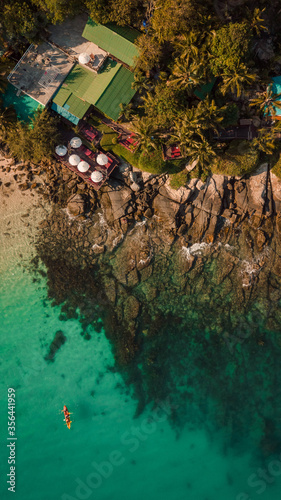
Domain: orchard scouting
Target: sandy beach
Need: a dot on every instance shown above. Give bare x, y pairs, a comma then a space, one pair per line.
21, 213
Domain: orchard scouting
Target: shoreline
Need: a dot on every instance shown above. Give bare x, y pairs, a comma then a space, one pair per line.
143, 279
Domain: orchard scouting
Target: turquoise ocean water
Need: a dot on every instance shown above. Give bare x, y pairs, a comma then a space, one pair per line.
107, 454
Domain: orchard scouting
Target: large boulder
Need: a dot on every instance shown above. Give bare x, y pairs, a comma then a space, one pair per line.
213, 195
257, 189
166, 210
276, 192
119, 198
75, 205
241, 196
180, 195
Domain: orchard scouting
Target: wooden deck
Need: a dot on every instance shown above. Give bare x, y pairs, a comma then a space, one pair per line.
129, 141
246, 132
89, 132
90, 158
172, 152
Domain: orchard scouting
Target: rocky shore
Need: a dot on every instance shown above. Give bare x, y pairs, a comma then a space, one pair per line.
163, 271
137, 231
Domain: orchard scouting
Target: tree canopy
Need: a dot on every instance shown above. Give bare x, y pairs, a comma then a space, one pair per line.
202, 66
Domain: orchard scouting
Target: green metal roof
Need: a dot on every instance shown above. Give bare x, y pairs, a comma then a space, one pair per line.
105, 90
76, 107
118, 91
202, 91
117, 40
61, 96
88, 85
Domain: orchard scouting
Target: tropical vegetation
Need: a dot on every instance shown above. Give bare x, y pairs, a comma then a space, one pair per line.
200, 70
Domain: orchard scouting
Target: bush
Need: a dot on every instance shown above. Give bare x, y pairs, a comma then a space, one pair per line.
152, 162
108, 138
230, 46
240, 159
178, 180
230, 115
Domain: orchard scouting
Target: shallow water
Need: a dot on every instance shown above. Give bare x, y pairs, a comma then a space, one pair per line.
228, 399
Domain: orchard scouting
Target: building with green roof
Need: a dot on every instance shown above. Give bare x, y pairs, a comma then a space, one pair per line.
117, 40
105, 90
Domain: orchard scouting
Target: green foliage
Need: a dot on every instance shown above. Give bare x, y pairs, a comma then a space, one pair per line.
239, 159
8, 119
230, 46
162, 105
108, 138
265, 141
150, 53
237, 79
122, 12
256, 21
57, 10
195, 126
187, 75
174, 17
22, 19
179, 179
230, 115
276, 170
152, 161
35, 140
147, 133
267, 102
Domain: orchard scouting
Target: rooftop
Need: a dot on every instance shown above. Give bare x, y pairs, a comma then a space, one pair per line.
40, 71
75, 44
105, 90
117, 40
203, 90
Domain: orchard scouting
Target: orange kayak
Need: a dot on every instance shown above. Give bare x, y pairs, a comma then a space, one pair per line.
67, 417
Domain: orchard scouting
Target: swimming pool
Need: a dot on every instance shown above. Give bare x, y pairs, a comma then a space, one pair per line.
24, 105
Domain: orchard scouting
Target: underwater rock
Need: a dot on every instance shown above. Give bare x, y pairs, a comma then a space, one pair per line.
131, 308
58, 341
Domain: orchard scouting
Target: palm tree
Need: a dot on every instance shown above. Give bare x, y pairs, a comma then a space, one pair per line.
267, 102
235, 80
187, 129
182, 134
126, 111
209, 114
140, 82
186, 75
8, 118
255, 20
147, 134
265, 141
187, 45
202, 153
